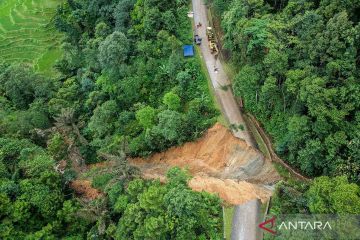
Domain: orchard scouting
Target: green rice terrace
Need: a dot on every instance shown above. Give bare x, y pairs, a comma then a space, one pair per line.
27, 33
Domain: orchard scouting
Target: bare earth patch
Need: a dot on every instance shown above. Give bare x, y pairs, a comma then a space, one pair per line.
84, 189
220, 163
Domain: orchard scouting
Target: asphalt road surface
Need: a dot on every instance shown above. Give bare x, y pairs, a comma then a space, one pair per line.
246, 216
246, 220
218, 78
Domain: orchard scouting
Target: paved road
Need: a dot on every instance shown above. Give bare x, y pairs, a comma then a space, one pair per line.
243, 227
246, 216
226, 98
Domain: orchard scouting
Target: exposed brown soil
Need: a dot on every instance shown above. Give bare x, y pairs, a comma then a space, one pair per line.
84, 189
220, 163
231, 191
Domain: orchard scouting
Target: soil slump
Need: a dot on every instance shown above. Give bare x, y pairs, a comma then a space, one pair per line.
220, 163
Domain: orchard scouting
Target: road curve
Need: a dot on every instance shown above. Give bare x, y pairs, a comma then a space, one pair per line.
246, 216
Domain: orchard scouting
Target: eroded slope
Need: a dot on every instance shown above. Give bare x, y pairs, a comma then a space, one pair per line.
220, 163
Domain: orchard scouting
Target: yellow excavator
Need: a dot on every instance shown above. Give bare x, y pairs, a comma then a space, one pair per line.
212, 42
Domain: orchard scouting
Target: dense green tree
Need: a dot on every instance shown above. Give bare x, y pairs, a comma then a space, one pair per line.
128, 52
24, 95
157, 211
172, 101
22, 122
122, 14
170, 125
298, 61
66, 97
102, 122
333, 195
246, 85
32, 199
146, 117
17, 86
113, 51
57, 147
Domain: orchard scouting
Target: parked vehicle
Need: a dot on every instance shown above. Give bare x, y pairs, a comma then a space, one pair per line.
197, 39
212, 42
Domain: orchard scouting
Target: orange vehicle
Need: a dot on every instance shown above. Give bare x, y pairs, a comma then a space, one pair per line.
212, 42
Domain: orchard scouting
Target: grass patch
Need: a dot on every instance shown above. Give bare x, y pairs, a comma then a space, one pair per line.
259, 140
89, 174
229, 69
285, 173
228, 216
27, 34
100, 181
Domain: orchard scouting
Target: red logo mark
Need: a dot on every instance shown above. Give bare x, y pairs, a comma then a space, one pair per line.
272, 221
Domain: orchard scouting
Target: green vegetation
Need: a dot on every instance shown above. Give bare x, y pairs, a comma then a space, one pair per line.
28, 35
324, 195
298, 68
123, 90
334, 196
297, 65
257, 136
33, 203
228, 216
135, 86
151, 210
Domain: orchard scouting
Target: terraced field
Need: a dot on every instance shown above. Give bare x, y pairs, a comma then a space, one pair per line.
27, 33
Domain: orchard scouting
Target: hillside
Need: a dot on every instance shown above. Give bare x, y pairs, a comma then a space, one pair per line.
296, 68
220, 164
28, 34
115, 136
124, 90
297, 65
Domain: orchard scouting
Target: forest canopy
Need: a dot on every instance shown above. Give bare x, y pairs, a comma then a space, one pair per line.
298, 73
124, 90
123, 58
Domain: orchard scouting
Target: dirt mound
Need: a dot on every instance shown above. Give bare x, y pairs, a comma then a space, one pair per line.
84, 189
228, 189
217, 161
